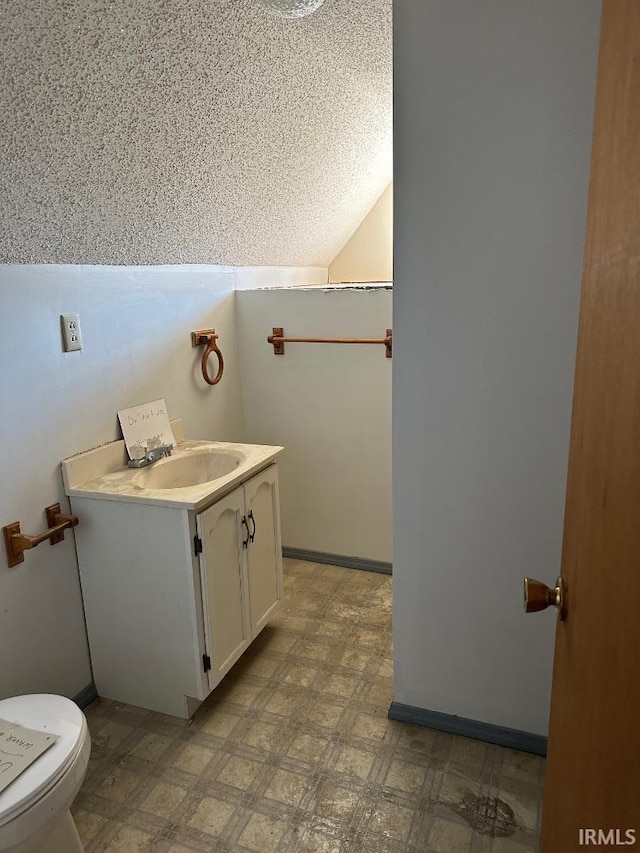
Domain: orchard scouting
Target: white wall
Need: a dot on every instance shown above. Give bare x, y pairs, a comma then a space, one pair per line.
249, 278
493, 112
330, 406
136, 325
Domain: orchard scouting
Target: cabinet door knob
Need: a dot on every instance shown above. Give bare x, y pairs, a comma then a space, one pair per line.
252, 536
245, 542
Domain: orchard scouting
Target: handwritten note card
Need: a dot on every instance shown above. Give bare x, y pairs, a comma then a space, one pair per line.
147, 422
19, 747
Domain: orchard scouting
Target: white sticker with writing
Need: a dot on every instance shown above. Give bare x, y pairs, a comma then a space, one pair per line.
20, 747
145, 423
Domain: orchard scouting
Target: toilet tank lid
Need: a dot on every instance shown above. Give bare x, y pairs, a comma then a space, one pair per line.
50, 713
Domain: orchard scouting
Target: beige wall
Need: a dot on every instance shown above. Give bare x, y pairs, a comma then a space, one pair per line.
368, 254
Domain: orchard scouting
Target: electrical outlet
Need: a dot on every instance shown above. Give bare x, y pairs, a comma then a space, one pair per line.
71, 337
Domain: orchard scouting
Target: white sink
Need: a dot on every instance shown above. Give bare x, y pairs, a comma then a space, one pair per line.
177, 472
196, 473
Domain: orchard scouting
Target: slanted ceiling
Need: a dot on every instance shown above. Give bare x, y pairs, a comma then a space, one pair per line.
190, 131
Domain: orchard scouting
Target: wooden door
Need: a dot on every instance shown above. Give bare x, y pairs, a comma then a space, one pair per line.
223, 578
264, 554
593, 767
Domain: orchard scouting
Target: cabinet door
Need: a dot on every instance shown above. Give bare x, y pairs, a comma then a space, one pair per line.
264, 554
223, 577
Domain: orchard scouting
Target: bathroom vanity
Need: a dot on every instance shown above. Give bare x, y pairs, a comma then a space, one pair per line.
180, 565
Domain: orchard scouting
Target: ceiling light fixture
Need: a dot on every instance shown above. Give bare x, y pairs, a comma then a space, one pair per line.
291, 8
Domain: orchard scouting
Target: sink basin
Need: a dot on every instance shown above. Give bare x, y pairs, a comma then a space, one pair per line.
197, 472
176, 472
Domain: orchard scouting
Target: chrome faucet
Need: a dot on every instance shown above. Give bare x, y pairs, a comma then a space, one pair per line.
150, 456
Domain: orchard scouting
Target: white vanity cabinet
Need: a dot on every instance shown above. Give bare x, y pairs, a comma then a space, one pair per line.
241, 568
175, 587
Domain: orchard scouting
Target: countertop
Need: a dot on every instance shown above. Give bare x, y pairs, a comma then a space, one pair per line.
116, 482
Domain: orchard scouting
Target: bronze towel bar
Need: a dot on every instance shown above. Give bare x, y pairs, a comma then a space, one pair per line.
278, 340
16, 542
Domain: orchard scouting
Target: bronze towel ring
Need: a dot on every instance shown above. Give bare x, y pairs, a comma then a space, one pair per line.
208, 337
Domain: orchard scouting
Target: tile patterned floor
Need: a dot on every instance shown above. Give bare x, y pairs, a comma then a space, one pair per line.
294, 752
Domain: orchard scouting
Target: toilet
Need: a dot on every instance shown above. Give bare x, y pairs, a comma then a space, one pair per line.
34, 808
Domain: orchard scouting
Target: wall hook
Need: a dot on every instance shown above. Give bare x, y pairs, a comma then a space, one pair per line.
208, 337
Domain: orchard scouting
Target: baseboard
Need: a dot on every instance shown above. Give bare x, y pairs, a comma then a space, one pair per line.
512, 738
86, 696
338, 560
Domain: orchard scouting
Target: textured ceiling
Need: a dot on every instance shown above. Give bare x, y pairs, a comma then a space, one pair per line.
190, 131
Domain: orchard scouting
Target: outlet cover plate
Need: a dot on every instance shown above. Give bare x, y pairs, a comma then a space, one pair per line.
71, 337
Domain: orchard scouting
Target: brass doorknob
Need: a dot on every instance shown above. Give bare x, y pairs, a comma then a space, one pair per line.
538, 596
